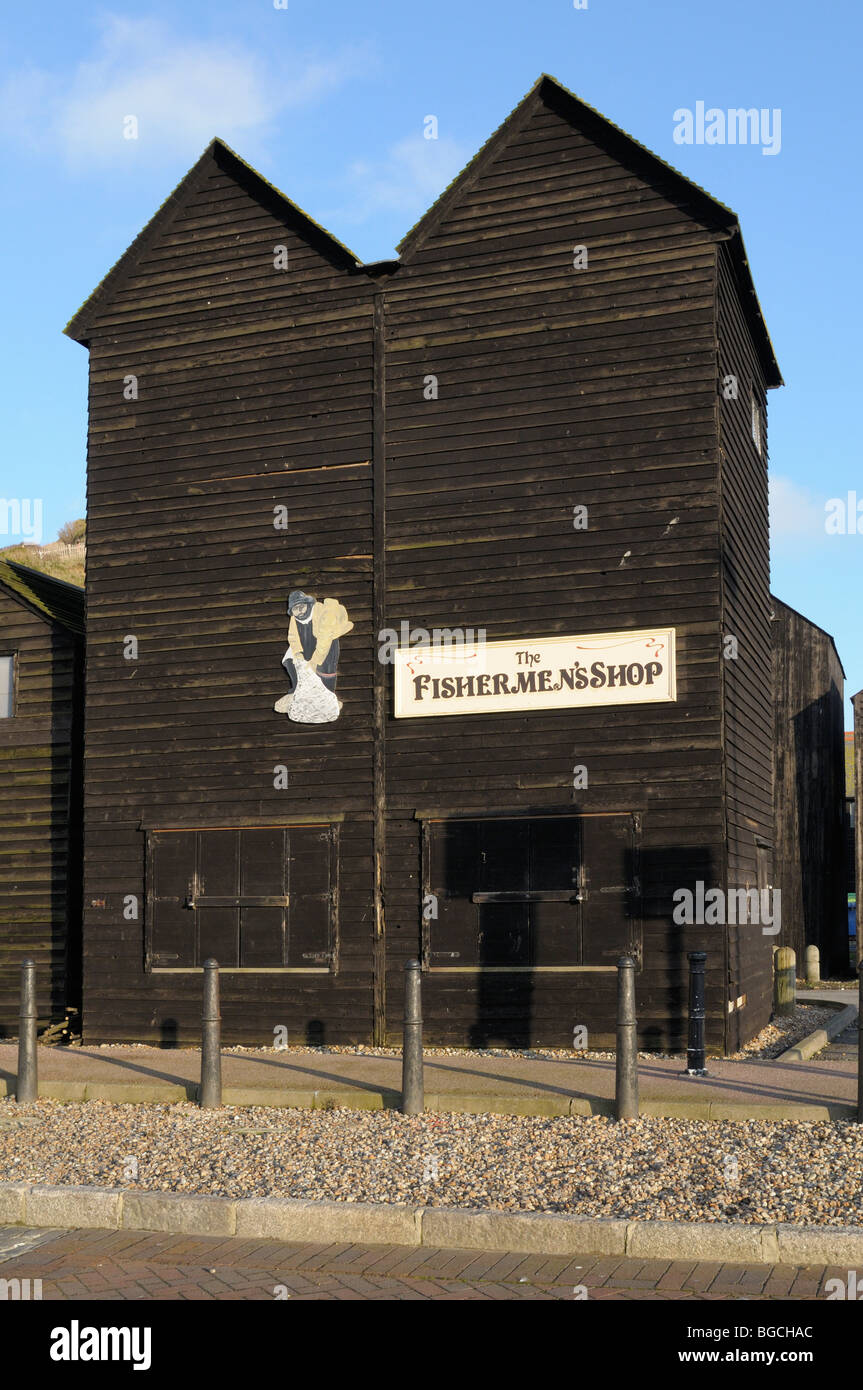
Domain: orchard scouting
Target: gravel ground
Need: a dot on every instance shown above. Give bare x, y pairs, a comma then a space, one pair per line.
783, 1033
751, 1171
829, 984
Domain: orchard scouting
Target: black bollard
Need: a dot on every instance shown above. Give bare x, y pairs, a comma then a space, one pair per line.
626, 1065
27, 1084
859, 1043
210, 1096
412, 1044
695, 1056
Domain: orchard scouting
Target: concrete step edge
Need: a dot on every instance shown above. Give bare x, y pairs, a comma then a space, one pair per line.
815, 1041
544, 1233
455, 1102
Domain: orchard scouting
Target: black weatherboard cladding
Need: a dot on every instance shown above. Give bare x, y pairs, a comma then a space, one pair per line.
557, 387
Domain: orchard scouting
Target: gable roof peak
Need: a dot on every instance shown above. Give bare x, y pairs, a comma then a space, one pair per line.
227, 159
698, 203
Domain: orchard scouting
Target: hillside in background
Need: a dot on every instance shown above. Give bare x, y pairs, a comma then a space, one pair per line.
59, 560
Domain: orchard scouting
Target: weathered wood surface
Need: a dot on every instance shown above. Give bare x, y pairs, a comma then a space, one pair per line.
809, 789
858, 822
40, 814
556, 388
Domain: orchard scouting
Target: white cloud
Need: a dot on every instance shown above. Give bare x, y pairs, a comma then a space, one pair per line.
794, 512
407, 180
181, 90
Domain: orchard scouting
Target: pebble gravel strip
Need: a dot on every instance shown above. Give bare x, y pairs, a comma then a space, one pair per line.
783, 1033
778, 1035
808, 1173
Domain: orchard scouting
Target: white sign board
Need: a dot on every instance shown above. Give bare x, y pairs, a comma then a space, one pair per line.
605, 668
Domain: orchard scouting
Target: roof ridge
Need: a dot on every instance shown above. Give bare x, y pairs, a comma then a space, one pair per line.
546, 79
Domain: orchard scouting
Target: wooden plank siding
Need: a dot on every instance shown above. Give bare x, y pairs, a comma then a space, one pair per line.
40, 814
809, 760
560, 387
557, 388
254, 391
746, 660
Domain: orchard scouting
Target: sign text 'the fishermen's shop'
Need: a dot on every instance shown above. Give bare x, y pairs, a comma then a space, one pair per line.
606, 668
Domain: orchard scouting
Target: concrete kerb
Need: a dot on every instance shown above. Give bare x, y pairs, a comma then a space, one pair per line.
162, 1093
537, 1233
814, 1042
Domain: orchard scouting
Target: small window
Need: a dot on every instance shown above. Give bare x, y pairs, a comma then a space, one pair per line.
252, 898
7, 687
757, 431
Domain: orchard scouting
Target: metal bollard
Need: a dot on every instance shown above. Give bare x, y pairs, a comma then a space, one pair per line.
626, 1064
812, 959
210, 1095
695, 1052
27, 1084
860, 1043
784, 981
412, 1044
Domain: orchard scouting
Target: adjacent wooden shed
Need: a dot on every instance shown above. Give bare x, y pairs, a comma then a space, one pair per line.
809, 789
857, 704
536, 440
41, 690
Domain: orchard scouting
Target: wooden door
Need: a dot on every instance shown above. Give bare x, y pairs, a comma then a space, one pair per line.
610, 890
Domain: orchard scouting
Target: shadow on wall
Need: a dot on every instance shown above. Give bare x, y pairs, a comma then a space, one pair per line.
662, 985
820, 904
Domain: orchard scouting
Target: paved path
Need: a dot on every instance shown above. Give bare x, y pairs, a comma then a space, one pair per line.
547, 1085
132, 1265
365, 1080
842, 1049
835, 996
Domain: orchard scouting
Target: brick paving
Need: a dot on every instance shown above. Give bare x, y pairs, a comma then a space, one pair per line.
131, 1265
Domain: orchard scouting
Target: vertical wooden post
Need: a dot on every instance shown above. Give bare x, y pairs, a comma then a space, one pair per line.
812, 957
784, 981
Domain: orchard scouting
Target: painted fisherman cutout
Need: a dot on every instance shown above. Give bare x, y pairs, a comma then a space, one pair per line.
312, 658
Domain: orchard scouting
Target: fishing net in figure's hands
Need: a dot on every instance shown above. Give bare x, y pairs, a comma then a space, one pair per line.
312, 702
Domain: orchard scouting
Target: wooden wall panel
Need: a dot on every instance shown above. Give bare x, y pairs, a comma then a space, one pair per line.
746, 670
558, 388
809, 762
254, 392
39, 786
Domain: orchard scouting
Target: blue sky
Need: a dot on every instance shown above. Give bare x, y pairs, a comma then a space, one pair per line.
328, 97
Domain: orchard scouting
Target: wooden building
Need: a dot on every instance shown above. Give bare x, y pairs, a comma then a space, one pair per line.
542, 432
41, 696
857, 705
809, 789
